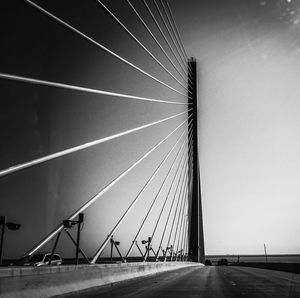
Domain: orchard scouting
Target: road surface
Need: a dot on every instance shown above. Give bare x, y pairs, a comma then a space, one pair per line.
215, 282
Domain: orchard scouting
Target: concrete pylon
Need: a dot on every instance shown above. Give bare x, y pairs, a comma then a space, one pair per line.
196, 238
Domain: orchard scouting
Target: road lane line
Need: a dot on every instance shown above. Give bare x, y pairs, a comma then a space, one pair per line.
293, 280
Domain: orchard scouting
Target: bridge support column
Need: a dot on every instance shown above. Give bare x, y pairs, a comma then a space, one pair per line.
196, 239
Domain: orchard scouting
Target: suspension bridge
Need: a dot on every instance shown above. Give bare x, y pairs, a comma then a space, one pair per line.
144, 208
99, 158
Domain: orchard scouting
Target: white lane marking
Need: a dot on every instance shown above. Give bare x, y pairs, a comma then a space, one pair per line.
293, 280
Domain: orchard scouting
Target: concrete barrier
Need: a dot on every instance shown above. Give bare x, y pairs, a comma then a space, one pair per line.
37, 282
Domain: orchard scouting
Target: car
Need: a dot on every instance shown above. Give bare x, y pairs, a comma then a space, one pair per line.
207, 263
223, 262
42, 259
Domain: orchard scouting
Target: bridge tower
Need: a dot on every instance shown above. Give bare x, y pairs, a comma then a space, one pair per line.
196, 239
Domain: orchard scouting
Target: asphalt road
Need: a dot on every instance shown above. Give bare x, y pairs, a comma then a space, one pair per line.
206, 282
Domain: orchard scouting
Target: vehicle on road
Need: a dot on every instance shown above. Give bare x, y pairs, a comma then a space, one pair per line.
42, 259
208, 263
223, 262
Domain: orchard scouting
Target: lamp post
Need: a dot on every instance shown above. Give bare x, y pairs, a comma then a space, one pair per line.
170, 250
69, 224
148, 247
3, 225
115, 244
266, 253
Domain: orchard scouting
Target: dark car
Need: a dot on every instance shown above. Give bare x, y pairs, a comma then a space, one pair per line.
223, 262
207, 263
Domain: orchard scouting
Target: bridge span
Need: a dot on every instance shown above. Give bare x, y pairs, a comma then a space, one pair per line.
101, 137
205, 282
106, 117
112, 153
149, 279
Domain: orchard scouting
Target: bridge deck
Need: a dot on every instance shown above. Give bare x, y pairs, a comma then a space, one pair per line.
206, 282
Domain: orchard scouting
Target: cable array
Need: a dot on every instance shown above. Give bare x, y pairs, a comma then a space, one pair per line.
157, 195
170, 34
99, 251
46, 158
23, 79
173, 34
103, 191
157, 42
140, 43
65, 24
183, 67
169, 213
179, 154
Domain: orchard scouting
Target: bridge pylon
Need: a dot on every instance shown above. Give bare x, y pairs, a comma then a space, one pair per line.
196, 237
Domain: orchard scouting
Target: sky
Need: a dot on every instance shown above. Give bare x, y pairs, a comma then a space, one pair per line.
248, 64
248, 55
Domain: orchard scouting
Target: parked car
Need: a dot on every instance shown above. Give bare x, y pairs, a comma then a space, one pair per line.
207, 263
223, 262
42, 259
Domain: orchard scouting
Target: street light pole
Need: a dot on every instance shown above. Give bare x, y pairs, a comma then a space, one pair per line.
2, 225
79, 222
265, 253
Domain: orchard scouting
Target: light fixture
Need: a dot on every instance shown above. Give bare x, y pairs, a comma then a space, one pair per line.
10, 226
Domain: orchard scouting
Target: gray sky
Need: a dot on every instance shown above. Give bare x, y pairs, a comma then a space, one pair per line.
248, 54
248, 59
